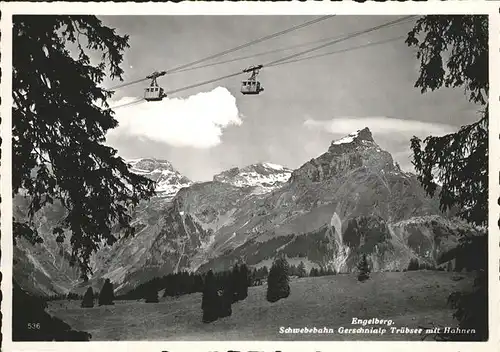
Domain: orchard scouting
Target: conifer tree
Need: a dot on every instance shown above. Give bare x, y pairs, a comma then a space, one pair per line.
321, 271
278, 286
235, 282
244, 282
226, 297
210, 300
301, 270
151, 295
453, 52
106, 296
413, 264
59, 124
88, 299
363, 268
314, 272
59, 128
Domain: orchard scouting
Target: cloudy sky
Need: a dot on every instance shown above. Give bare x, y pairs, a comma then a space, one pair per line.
305, 105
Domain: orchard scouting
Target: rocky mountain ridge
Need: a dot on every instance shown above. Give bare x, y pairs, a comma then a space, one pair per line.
265, 177
168, 180
352, 199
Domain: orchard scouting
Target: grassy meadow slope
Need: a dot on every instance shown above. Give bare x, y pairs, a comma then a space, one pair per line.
410, 299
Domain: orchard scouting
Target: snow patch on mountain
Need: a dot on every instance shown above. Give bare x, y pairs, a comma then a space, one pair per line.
264, 177
348, 139
168, 180
273, 166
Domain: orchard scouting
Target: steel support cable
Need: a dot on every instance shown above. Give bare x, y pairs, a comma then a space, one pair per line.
285, 60
344, 38
228, 51
270, 52
185, 88
263, 53
343, 50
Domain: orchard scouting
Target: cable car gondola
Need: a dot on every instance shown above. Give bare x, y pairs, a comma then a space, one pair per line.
154, 92
251, 85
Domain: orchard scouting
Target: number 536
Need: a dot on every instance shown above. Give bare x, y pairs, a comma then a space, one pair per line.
34, 326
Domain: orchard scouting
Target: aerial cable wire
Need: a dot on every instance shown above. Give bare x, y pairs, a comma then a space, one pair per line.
204, 83
344, 38
184, 88
263, 53
130, 103
228, 51
241, 58
343, 50
271, 36
286, 59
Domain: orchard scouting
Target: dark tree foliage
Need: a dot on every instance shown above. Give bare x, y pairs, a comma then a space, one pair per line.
363, 268
71, 296
235, 282
151, 296
210, 299
314, 272
465, 304
413, 264
175, 284
59, 123
278, 286
301, 270
459, 160
265, 271
32, 323
226, 298
241, 281
322, 271
88, 299
106, 296
258, 276
58, 130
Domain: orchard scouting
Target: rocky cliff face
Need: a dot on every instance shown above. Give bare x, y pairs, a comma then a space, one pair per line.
352, 199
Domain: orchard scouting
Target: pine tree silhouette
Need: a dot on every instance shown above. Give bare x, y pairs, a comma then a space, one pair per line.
65, 99
413, 264
210, 300
88, 299
278, 286
301, 270
226, 297
364, 270
151, 295
460, 159
107, 295
241, 277
235, 282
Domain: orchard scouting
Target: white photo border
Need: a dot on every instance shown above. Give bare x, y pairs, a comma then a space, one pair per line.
490, 8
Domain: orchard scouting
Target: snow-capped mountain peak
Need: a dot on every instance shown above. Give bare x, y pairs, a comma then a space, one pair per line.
168, 180
359, 136
265, 177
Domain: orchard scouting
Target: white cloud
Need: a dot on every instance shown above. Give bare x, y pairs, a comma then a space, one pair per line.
196, 121
380, 125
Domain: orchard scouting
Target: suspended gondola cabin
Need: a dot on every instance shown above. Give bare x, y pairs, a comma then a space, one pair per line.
154, 92
251, 85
